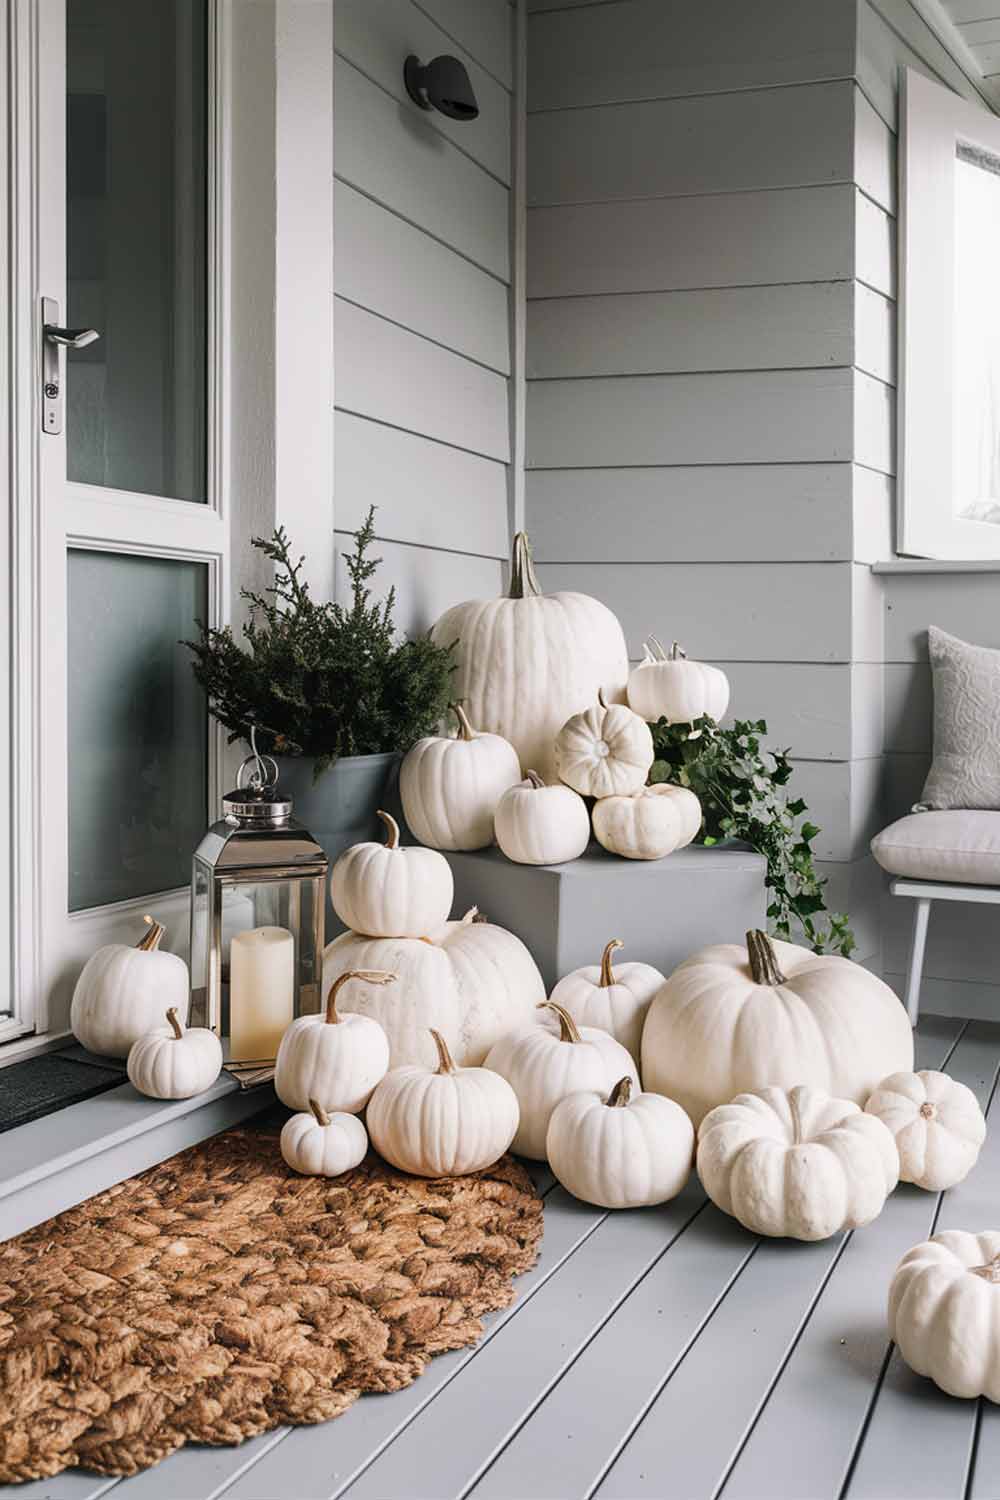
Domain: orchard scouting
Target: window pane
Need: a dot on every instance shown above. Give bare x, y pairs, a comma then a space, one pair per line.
135, 228
976, 413
138, 727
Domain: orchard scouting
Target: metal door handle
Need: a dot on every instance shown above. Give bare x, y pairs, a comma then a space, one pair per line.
54, 338
70, 338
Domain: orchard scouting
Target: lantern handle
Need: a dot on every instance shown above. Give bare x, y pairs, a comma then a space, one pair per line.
259, 779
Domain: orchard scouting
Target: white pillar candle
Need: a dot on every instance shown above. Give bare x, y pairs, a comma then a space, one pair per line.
261, 992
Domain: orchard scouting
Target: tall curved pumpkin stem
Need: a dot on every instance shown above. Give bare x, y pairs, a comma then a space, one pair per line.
568, 1029
523, 582
764, 966
607, 972
152, 937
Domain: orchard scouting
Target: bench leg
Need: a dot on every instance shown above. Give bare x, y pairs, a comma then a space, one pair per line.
915, 967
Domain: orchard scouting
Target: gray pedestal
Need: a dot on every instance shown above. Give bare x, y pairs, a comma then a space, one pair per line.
662, 909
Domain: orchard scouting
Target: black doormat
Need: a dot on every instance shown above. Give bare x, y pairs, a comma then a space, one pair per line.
41, 1085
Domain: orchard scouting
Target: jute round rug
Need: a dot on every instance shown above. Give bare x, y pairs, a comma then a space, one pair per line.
219, 1295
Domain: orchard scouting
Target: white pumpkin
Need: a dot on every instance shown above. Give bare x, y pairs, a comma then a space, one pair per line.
471, 981
542, 1069
732, 1019
944, 1311
123, 993
386, 890
174, 1063
649, 825
937, 1125
445, 1121
675, 689
614, 1000
606, 751
319, 1144
526, 661
796, 1163
335, 1059
450, 787
620, 1150
541, 825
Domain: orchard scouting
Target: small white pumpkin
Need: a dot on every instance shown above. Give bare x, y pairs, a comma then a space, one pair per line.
450, 787
614, 1000
542, 1069
649, 825
319, 1144
944, 1311
796, 1163
442, 1122
937, 1125
675, 689
541, 825
605, 751
335, 1059
174, 1063
620, 1150
386, 890
123, 993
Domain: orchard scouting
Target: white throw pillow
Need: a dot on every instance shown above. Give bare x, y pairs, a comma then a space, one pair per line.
966, 768
960, 847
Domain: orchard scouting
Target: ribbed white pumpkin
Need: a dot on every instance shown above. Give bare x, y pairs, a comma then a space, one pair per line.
542, 1069
332, 1058
541, 825
606, 751
732, 1019
386, 890
174, 1063
444, 1121
123, 993
670, 687
450, 787
470, 980
649, 825
319, 1144
620, 1150
527, 661
944, 1311
937, 1125
796, 1163
614, 1000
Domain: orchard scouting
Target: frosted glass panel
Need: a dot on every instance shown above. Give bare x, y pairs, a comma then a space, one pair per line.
976, 413
138, 773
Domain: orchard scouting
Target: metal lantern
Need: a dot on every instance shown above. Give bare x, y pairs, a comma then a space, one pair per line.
257, 911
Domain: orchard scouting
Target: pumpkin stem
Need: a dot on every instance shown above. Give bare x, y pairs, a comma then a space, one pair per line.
677, 653
534, 780
445, 1064
174, 1022
151, 938
392, 838
370, 976
989, 1272
568, 1031
621, 1093
322, 1118
465, 729
607, 972
763, 960
523, 583
655, 647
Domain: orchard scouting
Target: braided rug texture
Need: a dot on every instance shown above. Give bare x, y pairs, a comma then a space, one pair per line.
219, 1295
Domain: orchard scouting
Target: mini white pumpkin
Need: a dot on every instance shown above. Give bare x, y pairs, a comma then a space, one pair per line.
614, 1000
123, 993
606, 751
796, 1163
541, 825
319, 1144
335, 1059
450, 787
937, 1125
542, 1069
675, 689
174, 1063
385, 890
944, 1311
445, 1121
620, 1150
649, 825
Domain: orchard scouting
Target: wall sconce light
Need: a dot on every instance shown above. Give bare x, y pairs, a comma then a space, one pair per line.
442, 84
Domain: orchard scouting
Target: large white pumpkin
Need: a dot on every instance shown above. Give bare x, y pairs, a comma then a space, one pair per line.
386, 890
937, 1125
620, 1150
319, 1144
606, 751
541, 825
944, 1311
332, 1058
123, 993
527, 661
649, 825
671, 687
796, 1164
613, 999
470, 980
732, 1019
174, 1063
450, 787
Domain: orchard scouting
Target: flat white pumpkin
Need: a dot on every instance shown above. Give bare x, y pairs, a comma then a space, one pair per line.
541, 825
319, 1144
605, 751
445, 1121
937, 1125
173, 1062
527, 661
614, 1000
450, 787
332, 1058
732, 1019
944, 1311
620, 1150
796, 1163
649, 825
123, 993
386, 890
671, 687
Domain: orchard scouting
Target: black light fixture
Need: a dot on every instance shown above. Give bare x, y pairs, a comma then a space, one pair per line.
441, 84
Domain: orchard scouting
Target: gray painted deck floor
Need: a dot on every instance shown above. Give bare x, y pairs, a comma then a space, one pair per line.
664, 1352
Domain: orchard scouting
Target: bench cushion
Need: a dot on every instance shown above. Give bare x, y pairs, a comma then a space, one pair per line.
959, 846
